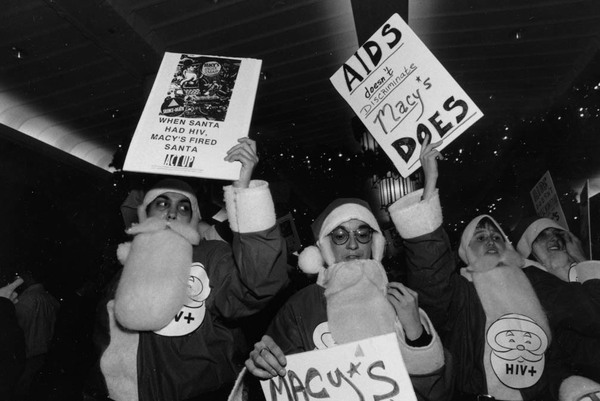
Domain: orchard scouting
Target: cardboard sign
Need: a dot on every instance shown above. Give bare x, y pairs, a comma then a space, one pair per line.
370, 369
287, 226
198, 108
546, 202
585, 226
401, 93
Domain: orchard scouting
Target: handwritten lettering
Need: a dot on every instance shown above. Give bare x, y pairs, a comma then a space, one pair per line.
390, 116
354, 75
405, 146
314, 384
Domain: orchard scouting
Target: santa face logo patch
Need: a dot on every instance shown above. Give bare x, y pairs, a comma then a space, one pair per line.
322, 336
192, 314
518, 345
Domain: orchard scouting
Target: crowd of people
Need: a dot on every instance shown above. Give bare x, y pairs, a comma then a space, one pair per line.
518, 318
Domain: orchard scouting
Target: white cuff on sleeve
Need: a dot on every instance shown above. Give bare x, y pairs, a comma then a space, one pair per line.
414, 217
250, 209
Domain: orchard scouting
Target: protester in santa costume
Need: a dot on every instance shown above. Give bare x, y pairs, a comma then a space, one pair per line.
568, 288
353, 300
164, 330
489, 316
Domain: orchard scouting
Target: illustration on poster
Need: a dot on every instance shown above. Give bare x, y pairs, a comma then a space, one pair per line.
201, 87
294, 385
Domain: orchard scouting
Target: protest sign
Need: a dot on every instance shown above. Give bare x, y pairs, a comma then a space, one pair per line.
198, 108
546, 202
585, 226
287, 226
370, 369
401, 93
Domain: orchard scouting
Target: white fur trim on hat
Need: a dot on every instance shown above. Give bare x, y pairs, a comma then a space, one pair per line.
414, 217
342, 214
310, 260
123, 252
468, 233
532, 232
250, 209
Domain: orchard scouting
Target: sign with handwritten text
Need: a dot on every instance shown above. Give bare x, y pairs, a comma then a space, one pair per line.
370, 369
401, 93
546, 202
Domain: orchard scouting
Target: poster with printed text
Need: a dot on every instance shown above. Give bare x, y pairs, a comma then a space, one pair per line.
401, 93
370, 369
198, 108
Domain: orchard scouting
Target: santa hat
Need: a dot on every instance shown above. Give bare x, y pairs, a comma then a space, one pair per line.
467, 235
314, 258
170, 185
531, 232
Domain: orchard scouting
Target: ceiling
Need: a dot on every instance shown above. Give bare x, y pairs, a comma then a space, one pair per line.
75, 73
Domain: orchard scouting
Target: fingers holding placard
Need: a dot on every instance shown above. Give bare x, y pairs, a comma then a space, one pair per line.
245, 153
266, 360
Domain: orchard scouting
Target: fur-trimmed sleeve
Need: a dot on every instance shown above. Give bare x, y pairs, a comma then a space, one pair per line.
250, 209
414, 217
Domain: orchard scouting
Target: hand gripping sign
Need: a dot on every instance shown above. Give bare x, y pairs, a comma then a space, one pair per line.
401, 93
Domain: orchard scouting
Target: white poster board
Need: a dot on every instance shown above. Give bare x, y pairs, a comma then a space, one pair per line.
363, 370
401, 92
546, 202
198, 108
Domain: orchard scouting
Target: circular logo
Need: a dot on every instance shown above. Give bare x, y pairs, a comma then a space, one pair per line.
322, 336
211, 68
192, 314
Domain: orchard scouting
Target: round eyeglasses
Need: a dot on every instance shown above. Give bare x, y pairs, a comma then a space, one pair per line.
340, 235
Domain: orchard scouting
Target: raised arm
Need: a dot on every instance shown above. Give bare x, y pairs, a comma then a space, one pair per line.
429, 157
418, 218
247, 278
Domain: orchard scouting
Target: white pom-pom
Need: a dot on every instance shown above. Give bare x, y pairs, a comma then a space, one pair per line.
123, 252
310, 260
578, 388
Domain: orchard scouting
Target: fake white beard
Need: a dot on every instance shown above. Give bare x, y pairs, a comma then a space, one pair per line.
153, 286
504, 289
357, 307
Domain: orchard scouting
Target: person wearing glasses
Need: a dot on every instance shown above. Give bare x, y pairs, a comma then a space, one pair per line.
349, 249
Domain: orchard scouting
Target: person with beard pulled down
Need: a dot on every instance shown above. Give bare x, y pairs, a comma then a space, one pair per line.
352, 300
165, 324
569, 289
487, 314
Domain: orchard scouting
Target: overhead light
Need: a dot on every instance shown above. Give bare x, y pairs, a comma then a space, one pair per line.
517, 34
114, 113
18, 53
